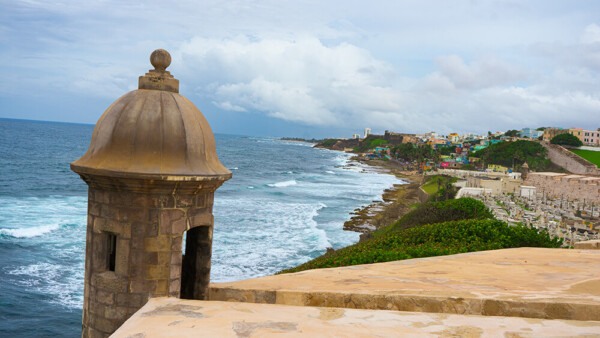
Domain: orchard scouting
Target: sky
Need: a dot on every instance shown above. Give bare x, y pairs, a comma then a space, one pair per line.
312, 68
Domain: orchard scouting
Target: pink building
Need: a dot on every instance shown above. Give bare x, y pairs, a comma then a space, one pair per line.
588, 137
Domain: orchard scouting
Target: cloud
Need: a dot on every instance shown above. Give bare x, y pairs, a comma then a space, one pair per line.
470, 66
488, 72
306, 81
591, 34
300, 80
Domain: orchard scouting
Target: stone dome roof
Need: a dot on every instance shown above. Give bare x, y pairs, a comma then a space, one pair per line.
153, 133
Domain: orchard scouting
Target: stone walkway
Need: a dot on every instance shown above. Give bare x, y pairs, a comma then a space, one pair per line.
503, 293
170, 317
523, 282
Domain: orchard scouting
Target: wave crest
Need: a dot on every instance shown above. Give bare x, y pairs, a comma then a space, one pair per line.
283, 184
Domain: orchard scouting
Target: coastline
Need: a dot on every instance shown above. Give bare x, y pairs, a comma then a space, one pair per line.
396, 200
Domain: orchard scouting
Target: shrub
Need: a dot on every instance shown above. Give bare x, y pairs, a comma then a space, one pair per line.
434, 240
444, 211
329, 142
566, 139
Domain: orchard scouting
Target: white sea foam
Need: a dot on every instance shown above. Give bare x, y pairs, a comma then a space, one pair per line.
250, 187
29, 232
283, 184
330, 172
53, 279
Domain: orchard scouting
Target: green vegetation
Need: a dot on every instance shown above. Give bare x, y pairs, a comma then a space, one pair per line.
440, 187
370, 143
434, 240
435, 182
566, 139
511, 133
590, 155
328, 142
437, 212
378, 142
409, 152
514, 154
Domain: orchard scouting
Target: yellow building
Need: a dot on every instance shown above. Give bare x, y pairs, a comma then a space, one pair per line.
497, 168
550, 133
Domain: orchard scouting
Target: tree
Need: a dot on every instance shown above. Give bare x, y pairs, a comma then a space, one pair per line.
566, 139
511, 133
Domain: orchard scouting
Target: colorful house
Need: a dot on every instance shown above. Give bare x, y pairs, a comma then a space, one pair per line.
497, 168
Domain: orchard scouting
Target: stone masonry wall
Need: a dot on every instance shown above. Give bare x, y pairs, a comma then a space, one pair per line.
569, 186
149, 230
570, 161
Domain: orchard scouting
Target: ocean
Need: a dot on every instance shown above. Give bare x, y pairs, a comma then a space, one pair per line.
286, 204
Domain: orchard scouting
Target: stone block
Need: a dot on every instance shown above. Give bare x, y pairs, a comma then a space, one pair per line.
166, 202
159, 243
175, 286
588, 245
121, 199
93, 333
123, 229
178, 226
185, 201
99, 224
105, 325
200, 201
99, 248
176, 257
133, 214
155, 272
164, 258
162, 288
142, 286
176, 244
122, 259
101, 196
205, 219
109, 212
144, 229
109, 281
94, 208
116, 312
143, 258
104, 297
97, 309
130, 300
175, 271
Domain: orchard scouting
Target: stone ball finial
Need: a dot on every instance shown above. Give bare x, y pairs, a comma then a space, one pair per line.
160, 59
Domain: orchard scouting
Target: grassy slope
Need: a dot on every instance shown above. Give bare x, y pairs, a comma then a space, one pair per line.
461, 225
434, 240
434, 182
590, 155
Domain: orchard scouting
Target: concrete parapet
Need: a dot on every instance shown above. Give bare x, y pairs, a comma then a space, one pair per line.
588, 245
167, 317
523, 282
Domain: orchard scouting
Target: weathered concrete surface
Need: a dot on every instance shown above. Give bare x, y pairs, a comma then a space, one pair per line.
588, 245
523, 282
170, 317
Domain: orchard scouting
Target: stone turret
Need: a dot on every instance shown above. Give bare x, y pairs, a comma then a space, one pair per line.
152, 170
524, 171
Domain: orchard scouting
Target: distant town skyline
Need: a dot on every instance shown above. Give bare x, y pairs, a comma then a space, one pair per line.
313, 69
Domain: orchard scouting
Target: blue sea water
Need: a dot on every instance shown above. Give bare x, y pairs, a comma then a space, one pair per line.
285, 204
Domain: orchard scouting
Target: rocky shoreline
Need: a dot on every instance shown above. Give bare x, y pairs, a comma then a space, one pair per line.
396, 201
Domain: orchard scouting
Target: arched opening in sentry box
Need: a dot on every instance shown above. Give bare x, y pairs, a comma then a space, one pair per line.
195, 267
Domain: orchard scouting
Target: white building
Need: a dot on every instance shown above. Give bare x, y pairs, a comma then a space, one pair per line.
367, 132
355, 136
